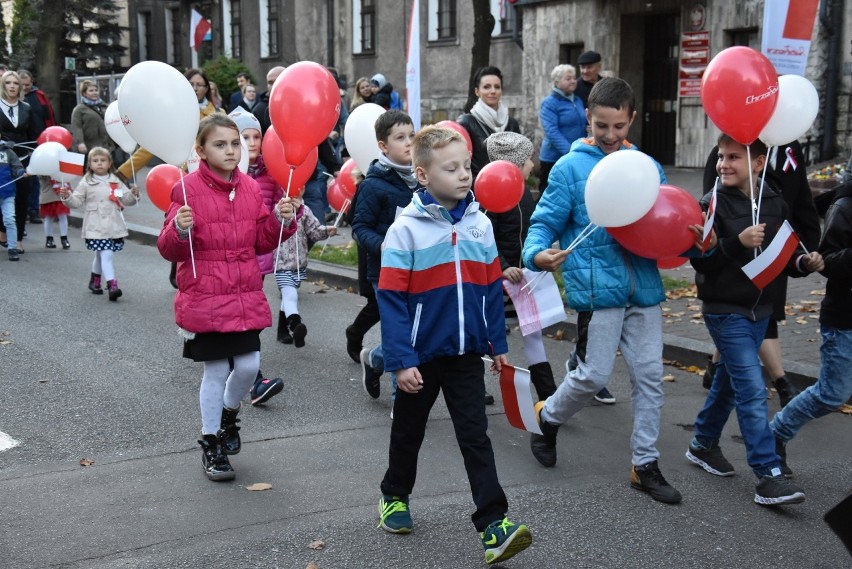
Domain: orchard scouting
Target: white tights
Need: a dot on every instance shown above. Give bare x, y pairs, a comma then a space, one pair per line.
63, 226
221, 388
102, 265
289, 300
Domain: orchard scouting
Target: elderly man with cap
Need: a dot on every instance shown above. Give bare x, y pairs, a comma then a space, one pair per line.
590, 69
383, 93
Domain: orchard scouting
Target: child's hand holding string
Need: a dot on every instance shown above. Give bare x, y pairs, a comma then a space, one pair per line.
134, 189
287, 209
183, 219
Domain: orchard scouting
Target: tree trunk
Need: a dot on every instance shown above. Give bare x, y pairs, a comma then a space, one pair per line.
483, 25
49, 66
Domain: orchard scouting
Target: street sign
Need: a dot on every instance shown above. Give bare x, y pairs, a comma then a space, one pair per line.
70, 63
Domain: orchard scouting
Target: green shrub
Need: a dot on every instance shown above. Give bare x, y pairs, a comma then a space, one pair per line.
223, 71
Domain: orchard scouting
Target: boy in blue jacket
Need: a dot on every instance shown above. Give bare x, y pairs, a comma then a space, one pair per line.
10, 169
441, 300
618, 293
386, 190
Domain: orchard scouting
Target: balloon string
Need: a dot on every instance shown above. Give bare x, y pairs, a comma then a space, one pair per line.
133, 176
13, 181
188, 231
337, 220
584, 234
762, 182
281, 231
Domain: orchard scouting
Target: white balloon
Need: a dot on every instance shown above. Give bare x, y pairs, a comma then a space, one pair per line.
159, 109
795, 111
360, 135
44, 160
194, 158
621, 188
115, 129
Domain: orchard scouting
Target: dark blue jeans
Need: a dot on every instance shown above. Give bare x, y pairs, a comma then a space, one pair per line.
739, 384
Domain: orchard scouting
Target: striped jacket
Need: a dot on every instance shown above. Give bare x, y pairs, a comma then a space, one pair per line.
440, 288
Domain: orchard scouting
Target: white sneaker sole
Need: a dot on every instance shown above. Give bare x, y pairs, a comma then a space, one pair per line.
698, 462
796, 498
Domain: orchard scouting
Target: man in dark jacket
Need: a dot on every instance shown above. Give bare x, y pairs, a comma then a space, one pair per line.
261, 111
590, 73
43, 117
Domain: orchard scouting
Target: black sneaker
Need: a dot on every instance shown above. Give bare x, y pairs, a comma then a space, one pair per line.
265, 389
489, 399
781, 451
777, 490
214, 460
13, 255
648, 478
712, 460
605, 397
786, 390
370, 376
231, 443
543, 446
354, 345
707, 379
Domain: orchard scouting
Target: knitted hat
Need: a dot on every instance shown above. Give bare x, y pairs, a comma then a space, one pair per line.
511, 146
244, 120
379, 80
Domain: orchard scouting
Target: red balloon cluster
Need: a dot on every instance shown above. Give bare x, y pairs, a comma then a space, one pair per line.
274, 157
663, 232
337, 198
739, 91
159, 183
346, 180
459, 129
499, 186
56, 134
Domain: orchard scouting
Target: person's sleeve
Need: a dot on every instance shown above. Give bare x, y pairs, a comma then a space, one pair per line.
77, 127
315, 230
127, 197
170, 244
368, 210
494, 299
77, 197
836, 244
551, 215
15, 163
710, 174
550, 123
394, 279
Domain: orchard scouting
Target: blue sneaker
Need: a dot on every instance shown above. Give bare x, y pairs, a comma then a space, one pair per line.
503, 539
394, 516
605, 397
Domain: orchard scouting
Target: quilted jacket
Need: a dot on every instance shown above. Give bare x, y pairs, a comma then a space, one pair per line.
271, 192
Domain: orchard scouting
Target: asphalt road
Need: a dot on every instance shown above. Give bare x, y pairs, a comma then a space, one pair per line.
86, 378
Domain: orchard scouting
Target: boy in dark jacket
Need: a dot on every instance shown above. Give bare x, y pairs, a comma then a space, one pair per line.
834, 386
386, 190
10, 168
736, 313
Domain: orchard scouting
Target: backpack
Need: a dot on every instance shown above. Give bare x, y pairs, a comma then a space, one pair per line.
395, 103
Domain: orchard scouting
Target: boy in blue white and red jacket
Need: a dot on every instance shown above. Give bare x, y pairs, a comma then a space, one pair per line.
441, 301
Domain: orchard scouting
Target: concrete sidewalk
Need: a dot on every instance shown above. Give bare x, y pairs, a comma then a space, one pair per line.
685, 336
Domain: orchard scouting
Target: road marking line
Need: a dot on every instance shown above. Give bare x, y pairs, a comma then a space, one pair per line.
7, 442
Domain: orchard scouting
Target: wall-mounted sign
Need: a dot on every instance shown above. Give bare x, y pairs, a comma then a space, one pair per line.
697, 17
694, 57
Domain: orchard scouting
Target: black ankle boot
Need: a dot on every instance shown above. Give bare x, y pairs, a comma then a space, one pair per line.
49, 244
216, 465
541, 376
95, 284
283, 331
297, 329
65, 243
230, 433
786, 390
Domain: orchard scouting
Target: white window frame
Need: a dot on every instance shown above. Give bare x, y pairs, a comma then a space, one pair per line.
227, 45
169, 30
142, 34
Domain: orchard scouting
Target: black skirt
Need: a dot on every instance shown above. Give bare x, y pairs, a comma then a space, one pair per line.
218, 346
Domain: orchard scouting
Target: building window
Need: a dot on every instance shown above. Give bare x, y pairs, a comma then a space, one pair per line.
746, 36
269, 13
173, 43
570, 52
236, 29
364, 26
143, 34
505, 18
446, 19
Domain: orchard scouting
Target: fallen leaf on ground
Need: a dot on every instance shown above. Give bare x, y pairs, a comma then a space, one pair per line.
259, 487
668, 378
312, 565
317, 544
559, 334
809, 301
801, 320
820, 292
42, 381
86, 462
5, 342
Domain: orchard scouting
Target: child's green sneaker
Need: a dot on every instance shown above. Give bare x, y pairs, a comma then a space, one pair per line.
394, 515
503, 539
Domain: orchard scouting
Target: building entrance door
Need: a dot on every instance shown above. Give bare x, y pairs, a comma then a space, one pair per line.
660, 86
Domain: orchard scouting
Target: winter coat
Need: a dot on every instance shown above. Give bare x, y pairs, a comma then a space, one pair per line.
379, 197
563, 119
24, 132
102, 218
478, 132
227, 294
87, 126
441, 288
42, 110
599, 273
723, 287
510, 230
836, 249
383, 96
271, 193
10, 168
48, 190
294, 252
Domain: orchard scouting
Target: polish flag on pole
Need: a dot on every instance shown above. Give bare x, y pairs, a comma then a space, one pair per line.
412, 67
199, 27
711, 216
71, 163
517, 399
774, 258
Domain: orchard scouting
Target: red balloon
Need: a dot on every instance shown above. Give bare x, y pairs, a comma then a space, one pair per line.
56, 134
274, 152
347, 182
459, 129
304, 107
739, 91
159, 183
663, 232
337, 198
672, 263
499, 186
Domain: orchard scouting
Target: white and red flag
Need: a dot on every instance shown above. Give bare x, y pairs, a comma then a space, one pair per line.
518, 400
71, 163
199, 30
711, 216
774, 258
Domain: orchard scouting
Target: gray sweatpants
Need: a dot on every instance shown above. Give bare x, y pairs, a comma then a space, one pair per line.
638, 333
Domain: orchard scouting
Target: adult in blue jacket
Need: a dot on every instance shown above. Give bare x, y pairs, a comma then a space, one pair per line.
563, 118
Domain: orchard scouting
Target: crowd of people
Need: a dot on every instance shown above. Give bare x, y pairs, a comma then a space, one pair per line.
424, 242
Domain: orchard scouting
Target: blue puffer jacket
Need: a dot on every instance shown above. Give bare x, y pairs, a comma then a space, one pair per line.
10, 168
378, 199
564, 121
599, 273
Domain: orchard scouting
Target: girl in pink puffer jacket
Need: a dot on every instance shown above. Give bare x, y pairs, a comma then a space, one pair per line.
222, 309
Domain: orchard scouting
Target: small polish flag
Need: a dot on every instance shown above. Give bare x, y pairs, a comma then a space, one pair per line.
199, 29
711, 216
517, 399
774, 258
71, 163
